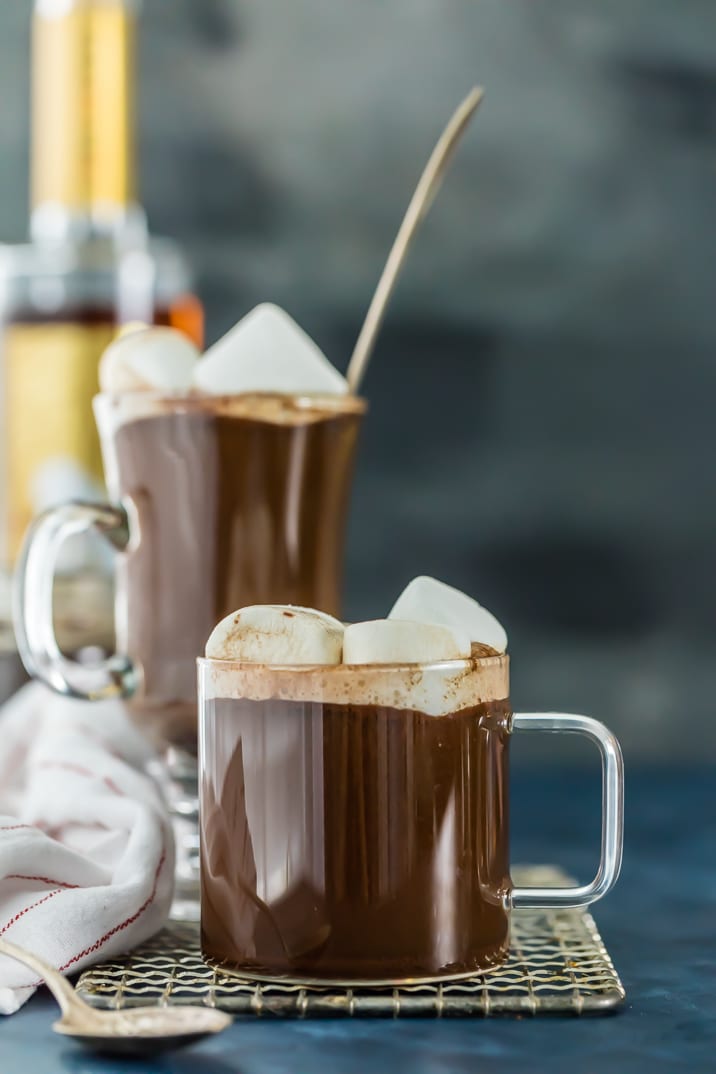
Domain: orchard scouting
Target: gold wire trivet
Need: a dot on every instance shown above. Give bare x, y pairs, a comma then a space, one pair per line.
557, 964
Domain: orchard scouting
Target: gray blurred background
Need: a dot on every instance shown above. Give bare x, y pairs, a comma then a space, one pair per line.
541, 430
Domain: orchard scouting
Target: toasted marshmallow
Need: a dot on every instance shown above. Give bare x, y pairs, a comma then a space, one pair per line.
277, 634
149, 359
429, 601
267, 352
395, 641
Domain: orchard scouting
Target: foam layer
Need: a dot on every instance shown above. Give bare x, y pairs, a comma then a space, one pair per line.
434, 689
113, 410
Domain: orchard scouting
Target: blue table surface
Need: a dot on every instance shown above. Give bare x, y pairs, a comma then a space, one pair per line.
659, 925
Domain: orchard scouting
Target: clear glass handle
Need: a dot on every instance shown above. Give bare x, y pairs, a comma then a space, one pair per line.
612, 811
33, 611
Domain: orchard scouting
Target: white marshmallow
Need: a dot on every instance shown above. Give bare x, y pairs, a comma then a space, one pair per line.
149, 359
267, 352
394, 641
429, 601
277, 634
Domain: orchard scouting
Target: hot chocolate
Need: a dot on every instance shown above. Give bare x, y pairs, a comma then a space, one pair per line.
234, 501
335, 824
353, 785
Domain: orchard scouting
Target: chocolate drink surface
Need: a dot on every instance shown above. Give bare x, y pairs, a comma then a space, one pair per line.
236, 502
354, 842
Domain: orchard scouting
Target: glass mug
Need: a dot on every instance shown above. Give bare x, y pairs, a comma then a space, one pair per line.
354, 819
216, 503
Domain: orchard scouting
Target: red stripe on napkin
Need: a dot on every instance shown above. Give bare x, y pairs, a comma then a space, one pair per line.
80, 771
27, 909
125, 924
41, 880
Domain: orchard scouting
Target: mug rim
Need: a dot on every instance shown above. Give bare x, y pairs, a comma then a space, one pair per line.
338, 403
466, 663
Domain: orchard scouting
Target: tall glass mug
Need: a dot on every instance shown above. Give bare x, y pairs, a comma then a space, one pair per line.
354, 819
217, 503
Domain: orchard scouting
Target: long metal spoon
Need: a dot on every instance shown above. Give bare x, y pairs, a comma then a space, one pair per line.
134, 1031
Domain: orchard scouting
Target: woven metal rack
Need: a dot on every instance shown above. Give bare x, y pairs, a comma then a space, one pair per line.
557, 964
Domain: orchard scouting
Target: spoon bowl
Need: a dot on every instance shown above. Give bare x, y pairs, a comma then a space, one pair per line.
144, 1030
133, 1031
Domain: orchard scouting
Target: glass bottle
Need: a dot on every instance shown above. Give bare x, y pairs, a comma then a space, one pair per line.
90, 267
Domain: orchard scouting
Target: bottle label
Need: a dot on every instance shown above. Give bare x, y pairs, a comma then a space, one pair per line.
52, 451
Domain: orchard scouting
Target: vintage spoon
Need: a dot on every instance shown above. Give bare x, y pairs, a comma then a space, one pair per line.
417, 210
134, 1031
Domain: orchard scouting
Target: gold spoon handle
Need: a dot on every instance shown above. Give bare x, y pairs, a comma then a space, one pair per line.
61, 989
417, 210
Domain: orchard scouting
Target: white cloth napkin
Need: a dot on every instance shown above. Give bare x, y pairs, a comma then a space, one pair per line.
86, 851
